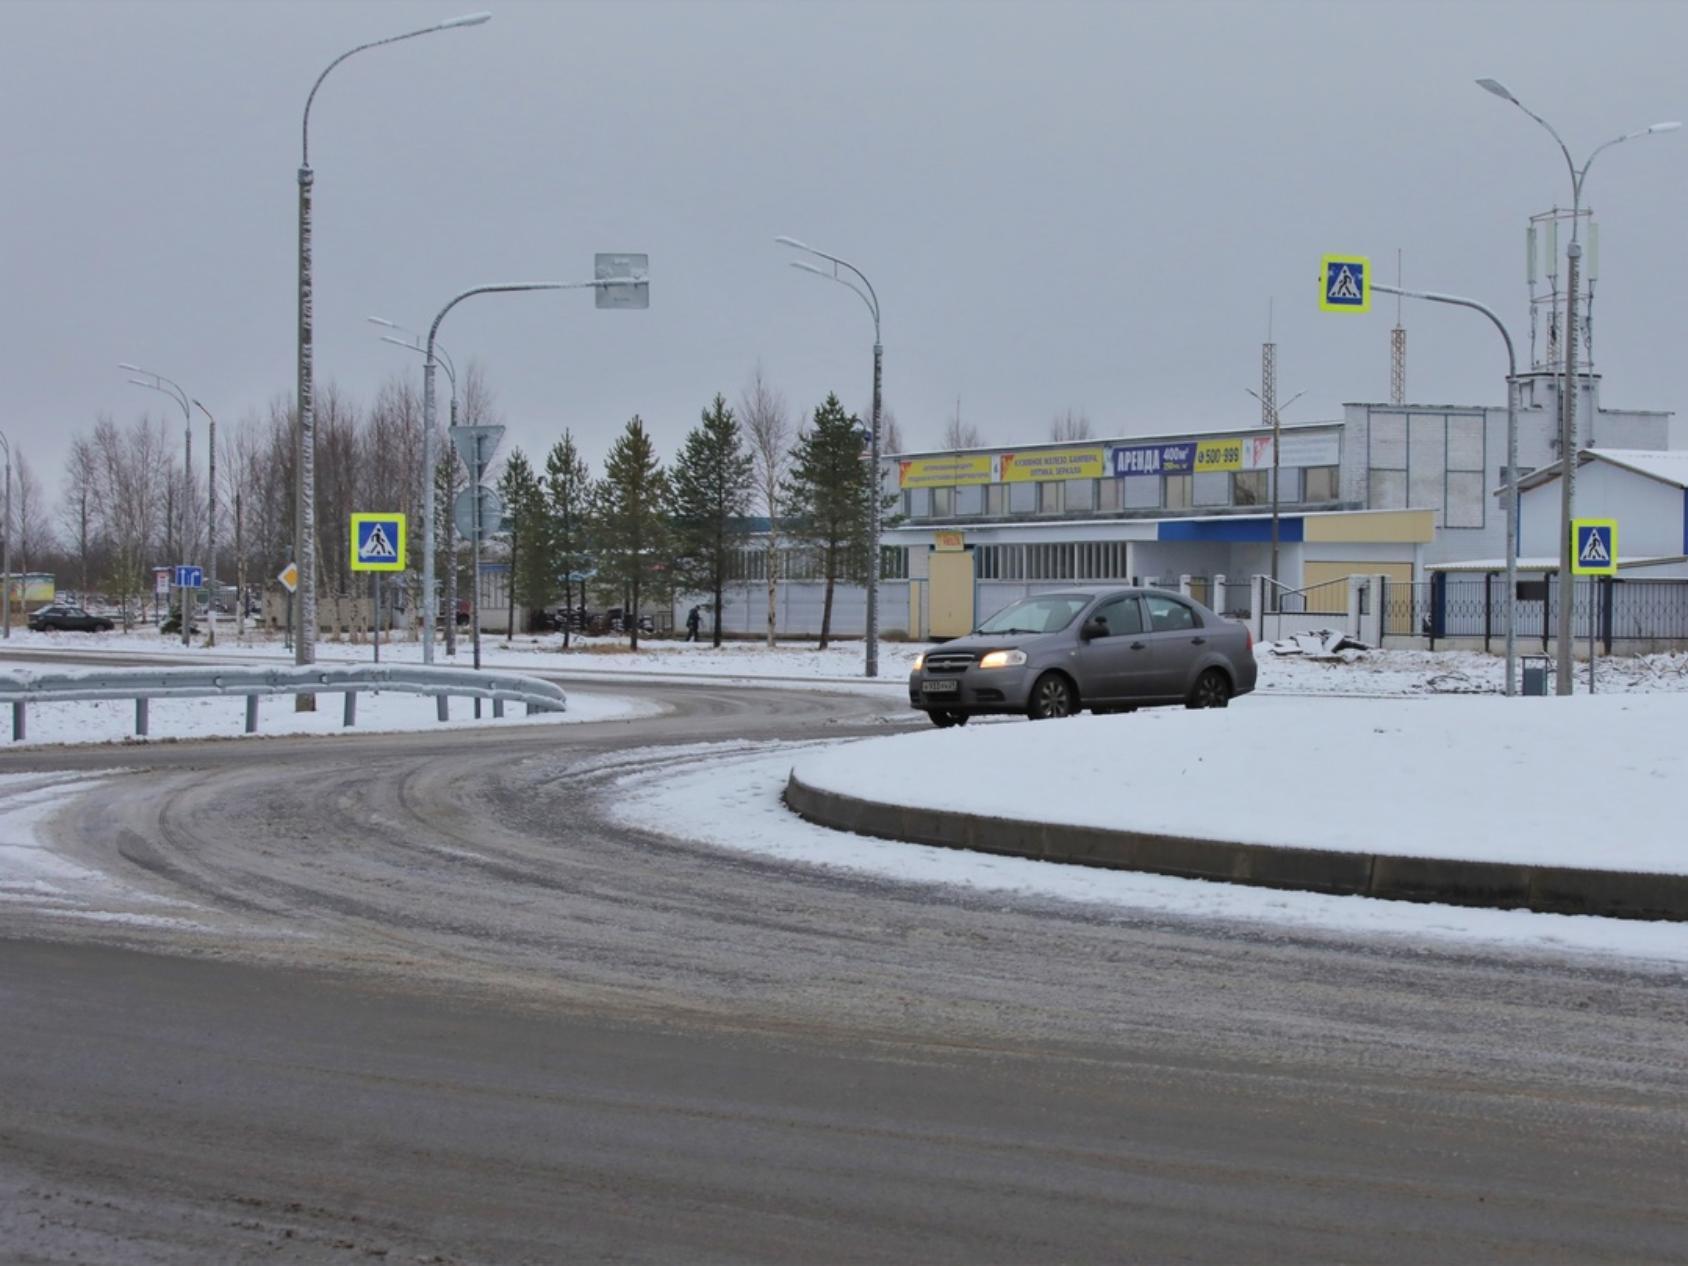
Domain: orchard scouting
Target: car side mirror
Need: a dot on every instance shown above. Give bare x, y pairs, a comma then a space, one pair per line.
1094, 627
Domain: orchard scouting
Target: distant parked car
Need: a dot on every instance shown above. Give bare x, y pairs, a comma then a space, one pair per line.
1105, 649
68, 618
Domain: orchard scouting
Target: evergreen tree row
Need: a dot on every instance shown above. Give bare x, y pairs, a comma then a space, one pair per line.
642, 532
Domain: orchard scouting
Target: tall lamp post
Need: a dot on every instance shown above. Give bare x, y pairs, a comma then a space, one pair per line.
430, 352
158, 382
304, 437
1568, 392
870, 297
211, 525
416, 345
6, 547
1271, 410
1511, 468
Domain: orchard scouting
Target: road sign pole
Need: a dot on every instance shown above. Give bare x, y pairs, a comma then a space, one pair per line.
375, 614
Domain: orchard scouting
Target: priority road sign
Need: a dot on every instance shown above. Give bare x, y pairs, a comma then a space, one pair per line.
378, 542
476, 445
189, 577
1345, 283
1594, 547
289, 577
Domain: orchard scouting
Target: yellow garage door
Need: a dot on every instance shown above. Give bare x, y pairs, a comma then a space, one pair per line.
1326, 576
951, 593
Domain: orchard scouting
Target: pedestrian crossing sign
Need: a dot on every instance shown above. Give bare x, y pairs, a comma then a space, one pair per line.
1594, 547
1345, 283
378, 542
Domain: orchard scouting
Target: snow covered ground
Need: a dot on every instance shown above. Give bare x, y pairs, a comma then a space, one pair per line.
1369, 673
734, 803
1587, 782
218, 717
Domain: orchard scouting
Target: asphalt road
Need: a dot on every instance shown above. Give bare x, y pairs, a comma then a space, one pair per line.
422, 1003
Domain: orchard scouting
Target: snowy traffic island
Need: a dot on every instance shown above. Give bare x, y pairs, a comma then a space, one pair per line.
1567, 805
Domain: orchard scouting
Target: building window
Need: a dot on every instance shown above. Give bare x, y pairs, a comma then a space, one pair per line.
1108, 494
993, 499
1177, 492
1320, 484
1022, 498
970, 499
943, 502
1143, 492
893, 562
917, 503
1080, 494
1212, 488
1251, 487
1289, 484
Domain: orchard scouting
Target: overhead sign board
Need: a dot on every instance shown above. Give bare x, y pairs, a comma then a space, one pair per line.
1042, 465
378, 542
1216, 455
629, 277
944, 472
1594, 547
189, 577
1345, 283
1153, 459
289, 577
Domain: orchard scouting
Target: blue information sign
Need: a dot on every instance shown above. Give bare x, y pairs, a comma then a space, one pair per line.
189, 577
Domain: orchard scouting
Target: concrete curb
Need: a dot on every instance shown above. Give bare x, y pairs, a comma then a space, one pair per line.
1550, 889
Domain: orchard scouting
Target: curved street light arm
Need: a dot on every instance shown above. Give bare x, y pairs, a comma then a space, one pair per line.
470, 19
440, 357
416, 342
502, 288
843, 281
871, 298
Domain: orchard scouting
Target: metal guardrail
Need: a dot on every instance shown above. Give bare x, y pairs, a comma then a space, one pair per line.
21, 688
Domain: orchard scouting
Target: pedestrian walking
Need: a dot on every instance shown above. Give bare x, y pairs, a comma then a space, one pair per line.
694, 621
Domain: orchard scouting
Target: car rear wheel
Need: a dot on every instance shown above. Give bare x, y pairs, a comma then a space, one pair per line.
1052, 696
943, 720
1212, 690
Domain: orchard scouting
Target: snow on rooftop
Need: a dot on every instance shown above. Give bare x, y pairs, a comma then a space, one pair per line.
1667, 465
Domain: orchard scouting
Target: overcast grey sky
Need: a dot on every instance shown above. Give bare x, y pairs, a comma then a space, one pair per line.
1083, 205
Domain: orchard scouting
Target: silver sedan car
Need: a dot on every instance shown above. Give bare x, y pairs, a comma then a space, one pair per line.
1107, 649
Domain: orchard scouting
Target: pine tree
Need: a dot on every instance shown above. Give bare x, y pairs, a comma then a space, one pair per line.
569, 498
712, 490
530, 548
827, 499
632, 506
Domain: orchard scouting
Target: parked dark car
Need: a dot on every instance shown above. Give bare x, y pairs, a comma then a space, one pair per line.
67, 618
1105, 649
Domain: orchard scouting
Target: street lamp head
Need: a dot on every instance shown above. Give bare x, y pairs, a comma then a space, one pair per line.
1499, 89
134, 369
792, 242
468, 19
383, 322
1664, 127
810, 268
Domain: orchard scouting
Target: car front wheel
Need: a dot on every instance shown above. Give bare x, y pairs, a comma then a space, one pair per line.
1212, 690
943, 720
1052, 696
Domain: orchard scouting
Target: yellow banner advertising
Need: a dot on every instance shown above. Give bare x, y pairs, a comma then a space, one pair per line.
949, 540
1219, 455
943, 472
1052, 463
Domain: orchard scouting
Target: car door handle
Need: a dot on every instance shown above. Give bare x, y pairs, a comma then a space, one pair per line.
1137, 646
1198, 640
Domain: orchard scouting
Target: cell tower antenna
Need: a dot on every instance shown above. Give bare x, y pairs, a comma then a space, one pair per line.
1398, 347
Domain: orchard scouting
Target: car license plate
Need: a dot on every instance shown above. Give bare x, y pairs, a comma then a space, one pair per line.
939, 687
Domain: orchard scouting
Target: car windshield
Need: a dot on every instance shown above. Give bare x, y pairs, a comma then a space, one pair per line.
1043, 614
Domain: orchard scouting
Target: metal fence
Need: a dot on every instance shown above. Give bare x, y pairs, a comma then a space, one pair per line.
23, 688
1471, 607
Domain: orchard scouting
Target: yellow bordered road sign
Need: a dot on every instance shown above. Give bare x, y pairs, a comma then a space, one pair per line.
378, 542
1594, 547
1345, 283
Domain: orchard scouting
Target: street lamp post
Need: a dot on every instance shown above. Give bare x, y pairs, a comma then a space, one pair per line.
1273, 410
429, 475
304, 436
6, 548
1568, 392
870, 297
1511, 467
211, 526
174, 390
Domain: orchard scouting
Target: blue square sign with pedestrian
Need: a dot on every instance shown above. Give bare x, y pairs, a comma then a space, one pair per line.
378, 542
1594, 547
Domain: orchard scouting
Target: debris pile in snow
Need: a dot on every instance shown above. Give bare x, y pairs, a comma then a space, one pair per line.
1329, 644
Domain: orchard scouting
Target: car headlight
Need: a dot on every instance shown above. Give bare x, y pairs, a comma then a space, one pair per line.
920, 661
1003, 659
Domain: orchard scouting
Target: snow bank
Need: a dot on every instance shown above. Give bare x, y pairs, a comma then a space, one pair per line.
1589, 782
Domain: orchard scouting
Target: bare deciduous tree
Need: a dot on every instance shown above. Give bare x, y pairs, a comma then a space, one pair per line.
959, 434
1071, 426
768, 424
